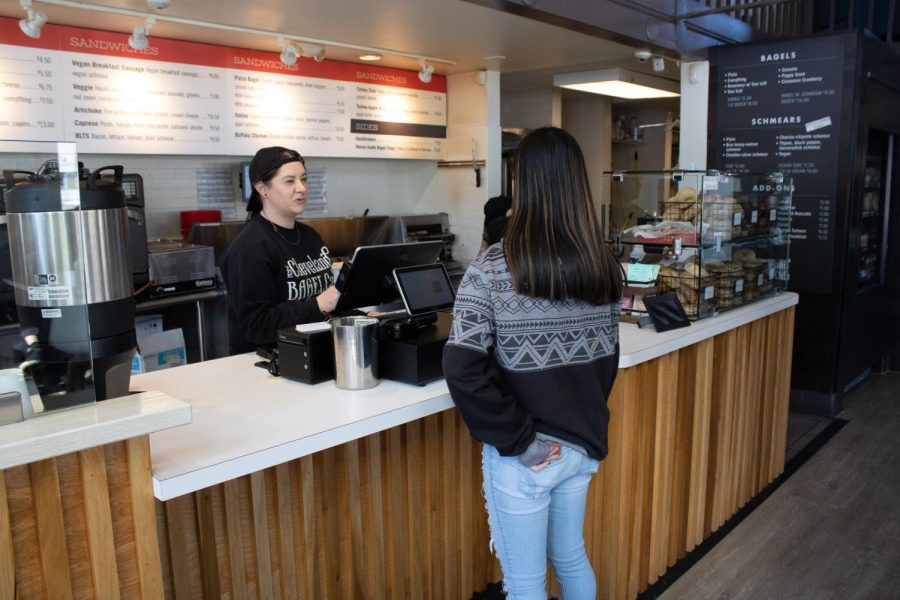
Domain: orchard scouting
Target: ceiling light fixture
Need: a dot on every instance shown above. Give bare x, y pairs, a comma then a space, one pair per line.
314, 51
31, 24
426, 71
370, 57
288, 52
237, 29
620, 83
138, 39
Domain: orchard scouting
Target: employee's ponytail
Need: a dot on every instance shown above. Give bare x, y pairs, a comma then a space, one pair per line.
254, 205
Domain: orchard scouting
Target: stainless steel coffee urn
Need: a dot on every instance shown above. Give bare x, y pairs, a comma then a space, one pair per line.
73, 284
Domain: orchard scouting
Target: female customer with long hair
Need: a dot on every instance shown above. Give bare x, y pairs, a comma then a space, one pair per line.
531, 359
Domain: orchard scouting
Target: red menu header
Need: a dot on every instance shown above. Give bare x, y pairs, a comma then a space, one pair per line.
105, 43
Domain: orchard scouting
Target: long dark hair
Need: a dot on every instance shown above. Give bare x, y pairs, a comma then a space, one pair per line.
553, 243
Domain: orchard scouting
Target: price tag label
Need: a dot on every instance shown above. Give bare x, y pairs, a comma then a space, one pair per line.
754, 214
677, 246
739, 286
718, 241
710, 183
771, 272
759, 280
737, 218
708, 292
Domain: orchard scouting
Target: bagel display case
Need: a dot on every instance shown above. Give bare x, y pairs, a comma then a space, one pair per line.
719, 240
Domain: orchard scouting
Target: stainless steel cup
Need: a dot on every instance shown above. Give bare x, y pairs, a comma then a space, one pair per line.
355, 352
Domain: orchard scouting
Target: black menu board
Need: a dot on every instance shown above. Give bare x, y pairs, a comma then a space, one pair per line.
778, 108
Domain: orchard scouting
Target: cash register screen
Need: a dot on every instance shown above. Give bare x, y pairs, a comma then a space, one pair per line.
425, 288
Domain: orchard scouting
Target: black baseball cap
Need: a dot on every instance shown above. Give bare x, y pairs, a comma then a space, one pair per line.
264, 165
268, 160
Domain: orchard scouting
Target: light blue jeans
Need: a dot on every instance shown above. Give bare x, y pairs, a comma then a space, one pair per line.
536, 515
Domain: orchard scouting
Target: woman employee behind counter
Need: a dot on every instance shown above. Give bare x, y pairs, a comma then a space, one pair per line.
277, 271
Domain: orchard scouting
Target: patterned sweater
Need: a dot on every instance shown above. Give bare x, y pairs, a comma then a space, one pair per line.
519, 366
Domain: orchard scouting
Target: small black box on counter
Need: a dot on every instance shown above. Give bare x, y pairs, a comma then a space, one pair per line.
306, 354
414, 358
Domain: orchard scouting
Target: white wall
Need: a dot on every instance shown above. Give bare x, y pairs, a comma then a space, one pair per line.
170, 183
694, 114
589, 120
452, 189
532, 109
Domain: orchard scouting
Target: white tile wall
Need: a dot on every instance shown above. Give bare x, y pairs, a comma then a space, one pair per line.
381, 185
170, 183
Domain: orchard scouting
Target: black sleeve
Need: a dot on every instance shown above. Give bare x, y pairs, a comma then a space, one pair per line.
471, 372
492, 417
251, 276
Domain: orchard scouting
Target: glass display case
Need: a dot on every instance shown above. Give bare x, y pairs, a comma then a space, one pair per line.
718, 240
872, 218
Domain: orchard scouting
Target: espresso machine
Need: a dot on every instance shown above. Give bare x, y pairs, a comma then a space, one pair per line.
73, 281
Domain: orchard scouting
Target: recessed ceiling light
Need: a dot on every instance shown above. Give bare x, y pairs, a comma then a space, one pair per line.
370, 57
620, 83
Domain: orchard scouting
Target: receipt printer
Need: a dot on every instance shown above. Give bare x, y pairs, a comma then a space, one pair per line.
306, 353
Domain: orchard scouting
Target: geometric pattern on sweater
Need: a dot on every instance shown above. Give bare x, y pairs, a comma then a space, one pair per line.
527, 333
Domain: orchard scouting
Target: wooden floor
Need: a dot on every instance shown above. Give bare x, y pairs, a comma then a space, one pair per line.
832, 531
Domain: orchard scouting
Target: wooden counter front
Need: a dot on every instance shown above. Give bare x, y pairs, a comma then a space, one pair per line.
77, 516
694, 434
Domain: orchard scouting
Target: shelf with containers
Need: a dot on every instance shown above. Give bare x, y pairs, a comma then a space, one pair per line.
719, 240
872, 217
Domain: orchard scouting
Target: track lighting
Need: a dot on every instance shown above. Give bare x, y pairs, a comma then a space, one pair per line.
309, 47
288, 52
313, 51
138, 39
31, 25
425, 73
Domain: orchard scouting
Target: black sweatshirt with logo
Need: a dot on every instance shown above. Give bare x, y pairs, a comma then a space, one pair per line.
272, 276
522, 369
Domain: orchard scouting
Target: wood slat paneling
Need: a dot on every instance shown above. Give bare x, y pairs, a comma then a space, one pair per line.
98, 524
7, 563
51, 529
399, 514
143, 518
81, 525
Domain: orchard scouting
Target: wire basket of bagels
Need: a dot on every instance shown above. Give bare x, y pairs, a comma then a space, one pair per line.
694, 286
729, 282
757, 271
724, 217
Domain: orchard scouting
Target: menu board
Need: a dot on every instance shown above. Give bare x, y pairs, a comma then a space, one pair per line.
778, 108
177, 97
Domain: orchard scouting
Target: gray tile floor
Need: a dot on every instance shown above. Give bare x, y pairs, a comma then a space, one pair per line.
832, 530
802, 429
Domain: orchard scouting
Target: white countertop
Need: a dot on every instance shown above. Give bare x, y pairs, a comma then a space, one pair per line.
245, 420
640, 345
81, 427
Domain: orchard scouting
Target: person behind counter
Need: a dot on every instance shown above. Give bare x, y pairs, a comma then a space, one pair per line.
497, 211
277, 271
531, 359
